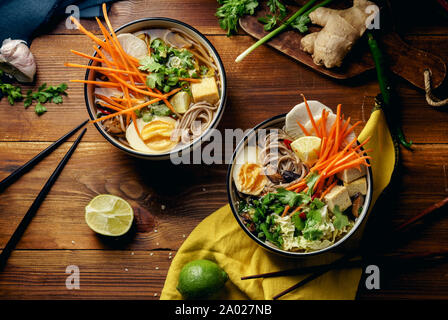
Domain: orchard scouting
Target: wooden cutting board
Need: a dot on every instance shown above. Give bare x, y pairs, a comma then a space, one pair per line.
404, 60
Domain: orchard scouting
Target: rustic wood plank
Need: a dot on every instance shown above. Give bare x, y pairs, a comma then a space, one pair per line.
410, 19
105, 274
165, 197
265, 84
257, 88
199, 14
149, 186
134, 275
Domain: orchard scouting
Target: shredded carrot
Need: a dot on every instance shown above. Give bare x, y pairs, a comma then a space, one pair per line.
110, 101
190, 80
75, 65
323, 128
351, 129
310, 115
295, 210
98, 83
134, 88
303, 129
286, 210
349, 165
298, 184
137, 107
328, 190
123, 99
86, 56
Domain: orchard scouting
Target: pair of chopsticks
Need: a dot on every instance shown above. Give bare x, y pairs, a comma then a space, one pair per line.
347, 262
10, 245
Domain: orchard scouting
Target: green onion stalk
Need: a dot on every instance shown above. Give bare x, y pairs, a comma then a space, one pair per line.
284, 26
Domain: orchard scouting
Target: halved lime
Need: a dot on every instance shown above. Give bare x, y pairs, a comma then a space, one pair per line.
109, 215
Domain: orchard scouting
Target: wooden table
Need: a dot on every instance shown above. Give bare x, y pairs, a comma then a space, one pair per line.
266, 83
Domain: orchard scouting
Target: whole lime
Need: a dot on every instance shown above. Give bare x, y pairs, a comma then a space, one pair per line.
201, 279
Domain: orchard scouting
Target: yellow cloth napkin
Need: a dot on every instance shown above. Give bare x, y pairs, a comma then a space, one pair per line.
219, 238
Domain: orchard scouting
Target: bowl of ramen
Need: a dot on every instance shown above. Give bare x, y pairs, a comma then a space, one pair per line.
154, 87
300, 184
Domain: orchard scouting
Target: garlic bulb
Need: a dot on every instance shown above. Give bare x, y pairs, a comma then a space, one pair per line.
17, 60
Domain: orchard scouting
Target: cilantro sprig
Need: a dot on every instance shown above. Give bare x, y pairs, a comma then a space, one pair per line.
278, 13
43, 95
231, 10
166, 65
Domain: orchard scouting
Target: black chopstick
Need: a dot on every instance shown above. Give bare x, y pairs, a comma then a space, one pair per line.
343, 260
301, 270
27, 166
36, 204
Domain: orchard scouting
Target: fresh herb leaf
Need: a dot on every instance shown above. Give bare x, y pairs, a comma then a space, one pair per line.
269, 21
149, 64
311, 181
298, 222
278, 13
231, 10
40, 109
154, 79
311, 230
300, 23
287, 197
160, 110
12, 92
277, 7
341, 220
147, 117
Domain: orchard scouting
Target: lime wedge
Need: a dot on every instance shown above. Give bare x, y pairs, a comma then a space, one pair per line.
307, 148
109, 215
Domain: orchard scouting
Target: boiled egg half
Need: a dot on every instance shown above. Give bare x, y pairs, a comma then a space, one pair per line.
156, 136
248, 174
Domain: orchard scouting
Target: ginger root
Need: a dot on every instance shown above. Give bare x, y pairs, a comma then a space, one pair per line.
341, 29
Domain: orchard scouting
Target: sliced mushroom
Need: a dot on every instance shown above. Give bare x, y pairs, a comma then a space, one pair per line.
273, 175
358, 201
289, 176
113, 126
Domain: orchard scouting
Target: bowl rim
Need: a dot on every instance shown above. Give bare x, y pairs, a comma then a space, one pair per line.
198, 140
260, 242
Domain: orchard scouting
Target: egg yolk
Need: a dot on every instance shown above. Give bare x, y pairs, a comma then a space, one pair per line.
157, 135
251, 178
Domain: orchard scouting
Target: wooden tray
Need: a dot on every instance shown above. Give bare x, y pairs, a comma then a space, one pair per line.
404, 60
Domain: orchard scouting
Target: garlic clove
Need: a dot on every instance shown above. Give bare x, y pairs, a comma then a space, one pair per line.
17, 60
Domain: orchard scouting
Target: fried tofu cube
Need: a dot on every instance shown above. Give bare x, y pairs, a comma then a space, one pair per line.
349, 175
357, 186
206, 90
338, 196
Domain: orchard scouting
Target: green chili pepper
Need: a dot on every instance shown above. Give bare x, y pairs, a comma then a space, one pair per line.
387, 93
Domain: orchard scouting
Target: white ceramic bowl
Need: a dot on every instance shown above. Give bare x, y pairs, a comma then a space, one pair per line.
149, 23
278, 122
